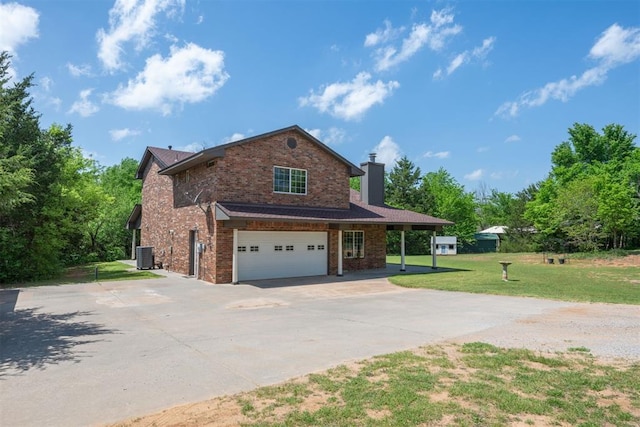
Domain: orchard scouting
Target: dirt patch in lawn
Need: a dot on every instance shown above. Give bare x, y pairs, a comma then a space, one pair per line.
458, 374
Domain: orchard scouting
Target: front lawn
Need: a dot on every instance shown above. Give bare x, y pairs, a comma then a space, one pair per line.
614, 280
107, 271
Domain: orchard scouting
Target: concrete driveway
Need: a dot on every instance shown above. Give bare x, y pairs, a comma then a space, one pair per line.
102, 352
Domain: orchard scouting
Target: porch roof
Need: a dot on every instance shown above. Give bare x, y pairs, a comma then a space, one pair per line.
358, 213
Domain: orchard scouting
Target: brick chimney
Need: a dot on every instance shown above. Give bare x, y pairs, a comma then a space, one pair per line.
372, 182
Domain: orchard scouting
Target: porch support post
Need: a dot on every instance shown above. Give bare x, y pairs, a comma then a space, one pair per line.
234, 262
402, 264
433, 251
339, 252
133, 244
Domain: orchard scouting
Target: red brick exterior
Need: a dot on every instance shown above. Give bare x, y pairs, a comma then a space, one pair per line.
375, 249
170, 210
245, 175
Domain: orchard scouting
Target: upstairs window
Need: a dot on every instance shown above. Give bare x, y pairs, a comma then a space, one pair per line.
353, 244
289, 180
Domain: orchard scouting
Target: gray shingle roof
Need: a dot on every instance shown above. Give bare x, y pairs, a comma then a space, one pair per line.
358, 212
207, 154
164, 156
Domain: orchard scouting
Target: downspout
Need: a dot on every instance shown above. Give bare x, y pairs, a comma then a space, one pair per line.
234, 262
196, 254
339, 252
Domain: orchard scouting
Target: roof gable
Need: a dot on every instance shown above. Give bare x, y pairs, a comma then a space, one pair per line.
165, 158
219, 151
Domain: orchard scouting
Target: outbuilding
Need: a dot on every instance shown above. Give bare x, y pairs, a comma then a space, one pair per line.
446, 245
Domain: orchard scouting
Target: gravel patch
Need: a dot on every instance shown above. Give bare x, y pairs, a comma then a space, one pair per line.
609, 331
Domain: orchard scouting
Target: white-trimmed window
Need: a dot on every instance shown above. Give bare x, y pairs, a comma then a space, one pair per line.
353, 244
289, 180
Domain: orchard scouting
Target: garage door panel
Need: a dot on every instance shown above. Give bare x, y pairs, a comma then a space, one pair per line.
270, 254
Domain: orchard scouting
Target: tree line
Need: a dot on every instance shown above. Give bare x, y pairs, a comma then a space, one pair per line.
589, 201
57, 207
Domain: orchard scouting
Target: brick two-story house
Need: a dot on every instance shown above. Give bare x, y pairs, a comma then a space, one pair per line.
270, 206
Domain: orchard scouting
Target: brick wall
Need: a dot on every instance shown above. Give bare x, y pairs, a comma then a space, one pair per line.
245, 174
167, 228
375, 249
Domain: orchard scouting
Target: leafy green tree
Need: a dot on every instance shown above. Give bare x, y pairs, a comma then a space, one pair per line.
495, 208
15, 179
39, 219
443, 197
520, 236
576, 211
591, 197
119, 184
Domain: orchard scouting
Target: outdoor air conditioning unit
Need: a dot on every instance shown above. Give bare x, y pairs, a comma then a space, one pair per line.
144, 257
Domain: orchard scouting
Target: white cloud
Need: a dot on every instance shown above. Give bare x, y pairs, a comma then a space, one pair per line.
118, 134
616, 46
332, 136
237, 136
382, 35
476, 175
55, 102
482, 149
468, 56
131, 20
19, 24
503, 175
387, 151
512, 138
442, 17
84, 106
188, 75
194, 147
316, 133
46, 83
351, 100
79, 70
434, 35
438, 155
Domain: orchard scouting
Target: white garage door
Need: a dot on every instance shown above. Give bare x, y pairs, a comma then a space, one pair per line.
275, 254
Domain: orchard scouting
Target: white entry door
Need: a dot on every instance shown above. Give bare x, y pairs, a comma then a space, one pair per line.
277, 254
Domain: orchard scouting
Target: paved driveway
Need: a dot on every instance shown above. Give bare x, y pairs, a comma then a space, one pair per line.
102, 352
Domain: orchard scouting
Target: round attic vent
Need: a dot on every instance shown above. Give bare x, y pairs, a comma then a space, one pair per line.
292, 143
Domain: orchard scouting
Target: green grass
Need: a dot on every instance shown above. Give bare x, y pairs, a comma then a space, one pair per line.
479, 384
577, 280
107, 271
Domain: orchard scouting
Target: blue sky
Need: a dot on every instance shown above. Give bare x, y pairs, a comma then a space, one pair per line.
484, 89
